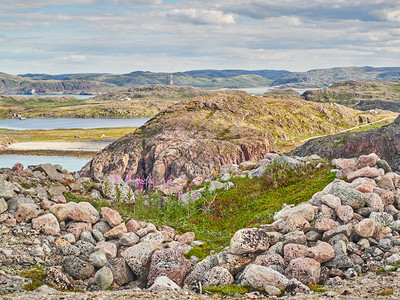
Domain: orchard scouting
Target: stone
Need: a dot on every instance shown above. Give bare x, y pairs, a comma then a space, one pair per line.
292, 251
88, 237
109, 249
85, 248
296, 287
258, 172
322, 252
98, 259
374, 201
349, 196
184, 248
163, 284
186, 238
304, 269
219, 276
6, 190
233, 263
331, 201
247, 165
383, 164
386, 183
61, 211
168, 262
132, 226
46, 204
369, 160
146, 230
47, 223
3, 205
325, 224
50, 171
128, 239
156, 237
340, 261
116, 232
343, 229
98, 235
296, 237
76, 228
269, 260
138, 257
190, 197
68, 249
121, 272
381, 218
102, 226
249, 240
304, 210
84, 212
296, 223
199, 272
27, 211
344, 213
364, 172
58, 199
257, 276
393, 259
364, 186
77, 268
104, 278
387, 198
111, 216
313, 236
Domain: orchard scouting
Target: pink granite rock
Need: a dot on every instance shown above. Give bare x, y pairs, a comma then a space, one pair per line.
46, 204
387, 198
344, 213
111, 216
367, 161
374, 201
305, 269
365, 228
325, 224
321, 253
26, 211
186, 238
386, 183
292, 251
345, 164
84, 212
296, 223
169, 231
76, 228
269, 260
47, 223
133, 226
363, 187
116, 232
364, 172
109, 249
60, 199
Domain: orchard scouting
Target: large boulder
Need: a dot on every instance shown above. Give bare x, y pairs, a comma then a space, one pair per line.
47, 223
249, 240
84, 212
349, 196
168, 262
304, 269
258, 276
77, 268
122, 274
6, 189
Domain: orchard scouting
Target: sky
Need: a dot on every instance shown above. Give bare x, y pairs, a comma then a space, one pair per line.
122, 36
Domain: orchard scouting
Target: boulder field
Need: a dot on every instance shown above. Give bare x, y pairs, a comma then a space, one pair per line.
349, 228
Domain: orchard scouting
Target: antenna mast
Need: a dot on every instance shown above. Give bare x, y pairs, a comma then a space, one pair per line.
171, 79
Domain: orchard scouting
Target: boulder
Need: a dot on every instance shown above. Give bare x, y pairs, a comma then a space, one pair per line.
133, 226
98, 259
104, 278
249, 240
257, 276
6, 189
76, 228
365, 228
47, 223
233, 263
3, 205
116, 232
27, 211
344, 213
50, 171
267, 260
111, 216
304, 269
331, 201
77, 268
369, 160
128, 239
122, 274
325, 224
349, 196
168, 262
322, 252
84, 212
219, 276
292, 251
109, 249
364, 172
164, 284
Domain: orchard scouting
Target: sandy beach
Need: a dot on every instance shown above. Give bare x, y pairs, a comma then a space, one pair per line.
86, 148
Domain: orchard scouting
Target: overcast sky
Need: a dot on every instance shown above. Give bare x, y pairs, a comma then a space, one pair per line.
121, 36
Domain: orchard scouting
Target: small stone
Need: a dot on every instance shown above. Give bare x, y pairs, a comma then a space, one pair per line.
369, 160
76, 228
88, 237
331, 201
109, 249
129, 239
325, 224
260, 277
111, 216
121, 272
104, 278
98, 259
116, 232
163, 284
292, 251
186, 238
47, 223
344, 213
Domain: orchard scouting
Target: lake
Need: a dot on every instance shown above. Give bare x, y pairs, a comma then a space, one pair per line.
70, 123
267, 89
48, 96
67, 162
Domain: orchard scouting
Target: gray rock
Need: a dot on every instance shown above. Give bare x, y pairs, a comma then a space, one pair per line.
260, 277
349, 196
295, 237
294, 286
98, 259
98, 235
104, 278
383, 164
49, 170
189, 197
77, 268
258, 172
6, 189
129, 239
102, 226
87, 236
219, 276
381, 218
340, 261
121, 272
16, 201
286, 159
249, 240
155, 237
68, 250
200, 272
85, 248
343, 229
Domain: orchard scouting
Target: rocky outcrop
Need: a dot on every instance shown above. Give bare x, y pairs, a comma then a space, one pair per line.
385, 142
197, 136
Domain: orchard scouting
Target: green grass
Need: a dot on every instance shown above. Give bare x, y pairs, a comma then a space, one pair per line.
36, 274
217, 216
229, 290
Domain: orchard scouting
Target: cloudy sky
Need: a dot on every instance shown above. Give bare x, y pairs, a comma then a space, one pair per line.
121, 36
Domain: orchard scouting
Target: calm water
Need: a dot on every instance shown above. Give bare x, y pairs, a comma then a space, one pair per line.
47, 96
264, 90
69, 123
67, 162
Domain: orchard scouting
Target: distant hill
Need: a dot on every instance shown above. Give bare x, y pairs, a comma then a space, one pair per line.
362, 95
326, 77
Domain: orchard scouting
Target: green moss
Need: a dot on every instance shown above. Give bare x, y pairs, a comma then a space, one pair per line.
37, 275
382, 270
229, 290
317, 288
200, 252
387, 292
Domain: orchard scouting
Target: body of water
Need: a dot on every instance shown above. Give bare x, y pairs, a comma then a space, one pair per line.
70, 123
267, 89
47, 96
67, 162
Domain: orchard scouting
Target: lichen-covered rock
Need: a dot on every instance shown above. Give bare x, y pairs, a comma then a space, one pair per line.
168, 262
249, 240
104, 278
122, 274
77, 268
304, 269
258, 276
269, 260
349, 196
219, 276
292, 251
6, 189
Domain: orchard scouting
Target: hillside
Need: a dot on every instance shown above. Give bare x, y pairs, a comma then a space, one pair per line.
384, 141
18, 85
362, 95
192, 137
325, 77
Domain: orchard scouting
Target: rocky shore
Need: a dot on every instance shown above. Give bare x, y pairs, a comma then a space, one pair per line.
339, 238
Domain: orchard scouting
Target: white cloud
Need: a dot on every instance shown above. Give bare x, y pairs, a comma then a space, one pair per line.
201, 16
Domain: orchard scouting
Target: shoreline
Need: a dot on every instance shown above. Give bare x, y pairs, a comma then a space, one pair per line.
78, 149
